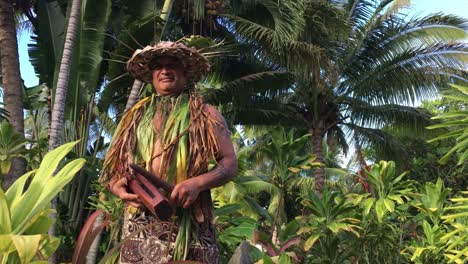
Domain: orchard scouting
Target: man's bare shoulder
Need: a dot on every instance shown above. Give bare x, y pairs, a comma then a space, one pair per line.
214, 113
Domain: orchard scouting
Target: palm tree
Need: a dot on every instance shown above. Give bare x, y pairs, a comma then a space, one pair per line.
11, 80
358, 66
56, 126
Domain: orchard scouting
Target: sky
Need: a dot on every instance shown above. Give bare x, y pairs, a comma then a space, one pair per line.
419, 8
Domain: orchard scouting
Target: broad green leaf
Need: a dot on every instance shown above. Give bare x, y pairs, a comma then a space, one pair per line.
267, 260
454, 216
398, 179
305, 229
49, 245
27, 246
389, 204
396, 198
284, 259
5, 166
242, 230
380, 209
23, 210
350, 220
311, 241
6, 244
40, 224
15, 191
417, 253
368, 205
294, 170
227, 209
459, 257
5, 221
457, 200
357, 198
461, 207
51, 189
289, 231
51, 161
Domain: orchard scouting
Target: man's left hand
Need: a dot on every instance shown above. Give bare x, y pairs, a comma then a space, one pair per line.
185, 193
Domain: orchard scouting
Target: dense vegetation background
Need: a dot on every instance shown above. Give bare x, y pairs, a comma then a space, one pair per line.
349, 119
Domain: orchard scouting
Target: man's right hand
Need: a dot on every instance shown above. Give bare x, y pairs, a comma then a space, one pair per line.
119, 188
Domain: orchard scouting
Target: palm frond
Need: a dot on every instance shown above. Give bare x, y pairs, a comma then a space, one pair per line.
386, 146
265, 84
48, 38
340, 137
360, 11
287, 23
325, 22
414, 73
427, 30
378, 116
262, 111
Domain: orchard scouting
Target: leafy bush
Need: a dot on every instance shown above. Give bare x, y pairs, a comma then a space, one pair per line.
25, 211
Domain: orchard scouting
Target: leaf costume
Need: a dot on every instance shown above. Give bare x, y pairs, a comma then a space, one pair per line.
188, 146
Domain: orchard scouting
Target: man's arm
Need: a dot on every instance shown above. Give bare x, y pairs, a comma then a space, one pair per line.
186, 192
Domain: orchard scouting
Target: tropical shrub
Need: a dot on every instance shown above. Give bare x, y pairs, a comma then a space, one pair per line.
25, 210
382, 212
328, 217
444, 226
11, 146
457, 122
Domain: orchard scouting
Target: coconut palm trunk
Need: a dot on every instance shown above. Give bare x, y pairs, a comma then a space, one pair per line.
317, 150
11, 82
134, 94
56, 126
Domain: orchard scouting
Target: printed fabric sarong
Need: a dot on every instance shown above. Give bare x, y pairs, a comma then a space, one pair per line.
155, 244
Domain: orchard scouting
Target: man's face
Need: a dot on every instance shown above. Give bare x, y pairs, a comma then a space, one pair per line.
168, 76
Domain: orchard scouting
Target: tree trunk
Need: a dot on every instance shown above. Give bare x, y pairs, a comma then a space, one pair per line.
317, 150
63, 76
56, 126
136, 87
11, 82
134, 93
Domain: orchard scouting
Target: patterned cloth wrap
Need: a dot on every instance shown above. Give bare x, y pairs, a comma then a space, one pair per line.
155, 243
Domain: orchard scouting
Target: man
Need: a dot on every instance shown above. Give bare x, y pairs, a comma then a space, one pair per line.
175, 136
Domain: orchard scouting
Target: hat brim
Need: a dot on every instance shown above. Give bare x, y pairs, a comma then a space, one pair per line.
196, 65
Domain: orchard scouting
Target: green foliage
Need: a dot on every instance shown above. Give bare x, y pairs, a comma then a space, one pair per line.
457, 122
328, 216
388, 189
11, 146
431, 200
443, 241
49, 37
233, 228
25, 211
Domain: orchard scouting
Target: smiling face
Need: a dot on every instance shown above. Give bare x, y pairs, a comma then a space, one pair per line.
168, 76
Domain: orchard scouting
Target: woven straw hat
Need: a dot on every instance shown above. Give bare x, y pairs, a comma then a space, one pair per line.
195, 64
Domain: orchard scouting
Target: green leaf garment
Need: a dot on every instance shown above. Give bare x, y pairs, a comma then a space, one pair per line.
188, 147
